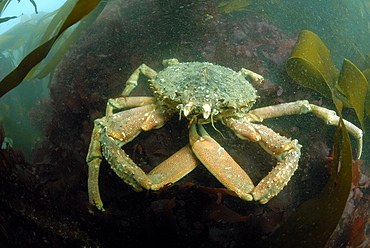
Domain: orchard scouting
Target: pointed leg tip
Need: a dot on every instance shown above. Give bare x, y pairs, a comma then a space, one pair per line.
98, 204
263, 201
247, 197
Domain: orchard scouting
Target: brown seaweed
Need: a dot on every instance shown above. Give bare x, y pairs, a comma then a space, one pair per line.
354, 86
14, 78
315, 220
310, 65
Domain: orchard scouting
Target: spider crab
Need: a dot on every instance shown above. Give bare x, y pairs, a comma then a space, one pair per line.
203, 93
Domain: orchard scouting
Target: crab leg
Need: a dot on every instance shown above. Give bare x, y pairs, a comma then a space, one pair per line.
174, 168
220, 163
259, 114
286, 151
171, 170
132, 80
123, 165
131, 83
124, 126
126, 102
112, 132
93, 159
331, 118
251, 75
303, 107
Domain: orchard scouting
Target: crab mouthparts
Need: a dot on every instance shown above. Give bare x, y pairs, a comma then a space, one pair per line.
206, 107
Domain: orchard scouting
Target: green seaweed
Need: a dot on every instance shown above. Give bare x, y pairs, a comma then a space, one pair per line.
5, 3
310, 65
236, 5
34, 5
241, 5
5, 19
14, 78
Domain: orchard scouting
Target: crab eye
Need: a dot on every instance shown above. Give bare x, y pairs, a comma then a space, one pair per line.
231, 105
221, 105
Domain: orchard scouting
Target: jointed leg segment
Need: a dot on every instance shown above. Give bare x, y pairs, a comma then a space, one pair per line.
117, 129
303, 107
111, 132
132, 81
120, 103
286, 151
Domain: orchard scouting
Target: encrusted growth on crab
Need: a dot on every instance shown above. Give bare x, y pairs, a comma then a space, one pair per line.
203, 90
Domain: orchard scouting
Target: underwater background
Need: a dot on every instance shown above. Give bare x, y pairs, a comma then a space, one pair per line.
47, 111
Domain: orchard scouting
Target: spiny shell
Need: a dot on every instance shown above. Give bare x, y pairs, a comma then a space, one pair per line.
196, 84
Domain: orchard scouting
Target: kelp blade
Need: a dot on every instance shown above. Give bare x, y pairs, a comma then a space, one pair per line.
354, 86
48, 66
14, 78
310, 64
366, 73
